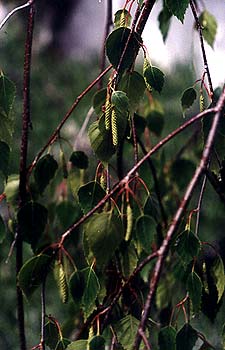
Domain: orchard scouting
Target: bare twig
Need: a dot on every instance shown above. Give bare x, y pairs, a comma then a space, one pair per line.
206, 66
16, 9
163, 250
55, 134
23, 168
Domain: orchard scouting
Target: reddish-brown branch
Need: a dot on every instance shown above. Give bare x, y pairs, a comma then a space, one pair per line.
163, 250
23, 168
55, 134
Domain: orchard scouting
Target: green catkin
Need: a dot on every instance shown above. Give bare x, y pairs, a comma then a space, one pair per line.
108, 112
129, 222
63, 163
60, 277
201, 103
103, 181
114, 128
146, 65
123, 19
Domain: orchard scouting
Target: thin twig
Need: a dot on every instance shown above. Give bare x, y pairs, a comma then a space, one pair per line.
109, 23
23, 167
163, 250
206, 66
200, 199
16, 9
55, 134
43, 313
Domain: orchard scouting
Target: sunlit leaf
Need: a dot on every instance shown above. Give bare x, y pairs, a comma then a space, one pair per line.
78, 345
89, 195
186, 338
115, 45
33, 272
120, 101
126, 330
217, 271
178, 7
12, 189
194, 287
167, 338
45, 171
209, 27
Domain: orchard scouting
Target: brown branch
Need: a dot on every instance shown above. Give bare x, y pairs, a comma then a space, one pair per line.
206, 66
148, 5
23, 168
109, 23
163, 250
55, 134
16, 9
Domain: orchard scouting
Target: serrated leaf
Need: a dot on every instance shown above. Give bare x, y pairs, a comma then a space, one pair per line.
120, 101
32, 219
51, 335
133, 84
186, 338
78, 345
122, 18
33, 272
167, 338
97, 343
89, 195
194, 288
217, 272
91, 289
115, 45
209, 27
151, 207
126, 330
2, 230
188, 97
99, 100
79, 160
188, 246
104, 230
164, 20
7, 96
45, 171
145, 231
178, 7
4, 159
101, 142
154, 77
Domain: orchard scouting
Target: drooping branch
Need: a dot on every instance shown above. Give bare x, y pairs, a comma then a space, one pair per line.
23, 167
163, 250
15, 10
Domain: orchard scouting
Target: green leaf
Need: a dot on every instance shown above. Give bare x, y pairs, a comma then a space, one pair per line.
51, 335
133, 84
33, 272
151, 207
68, 213
7, 96
178, 7
129, 260
122, 18
97, 343
145, 231
126, 330
217, 272
167, 338
2, 230
209, 27
164, 20
79, 160
62, 344
4, 159
188, 97
32, 219
99, 101
188, 245
223, 336
155, 122
12, 189
45, 171
78, 345
182, 171
89, 195
101, 142
154, 77
186, 338
84, 288
115, 45
194, 288
120, 101
104, 230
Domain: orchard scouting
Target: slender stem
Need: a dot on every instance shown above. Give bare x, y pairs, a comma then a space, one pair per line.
199, 27
23, 167
55, 134
200, 199
163, 250
43, 313
109, 23
16, 9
